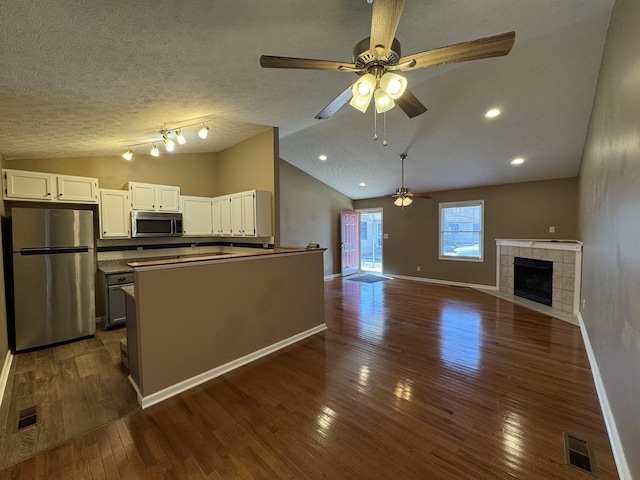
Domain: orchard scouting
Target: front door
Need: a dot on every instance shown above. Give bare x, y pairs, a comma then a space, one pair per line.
350, 252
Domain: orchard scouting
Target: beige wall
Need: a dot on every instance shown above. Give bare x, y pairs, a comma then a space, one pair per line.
252, 164
4, 338
197, 317
609, 217
195, 173
310, 212
522, 210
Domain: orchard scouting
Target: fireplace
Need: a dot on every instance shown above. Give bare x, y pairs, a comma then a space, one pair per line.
533, 279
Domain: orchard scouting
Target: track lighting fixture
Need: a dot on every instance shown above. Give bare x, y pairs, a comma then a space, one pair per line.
166, 137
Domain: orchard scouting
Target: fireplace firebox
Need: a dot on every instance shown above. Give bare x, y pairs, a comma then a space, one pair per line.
533, 279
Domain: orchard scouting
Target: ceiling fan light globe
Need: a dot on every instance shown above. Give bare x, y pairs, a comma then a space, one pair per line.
398, 202
393, 84
384, 102
360, 104
406, 201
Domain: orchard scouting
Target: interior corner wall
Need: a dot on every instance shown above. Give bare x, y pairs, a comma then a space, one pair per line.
609, 223
310, 212
4, 337
252, 164
518, 210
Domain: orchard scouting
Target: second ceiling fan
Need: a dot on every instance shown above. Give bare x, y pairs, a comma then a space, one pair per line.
376, 59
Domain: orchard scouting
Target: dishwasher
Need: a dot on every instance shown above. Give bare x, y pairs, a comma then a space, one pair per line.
115, 298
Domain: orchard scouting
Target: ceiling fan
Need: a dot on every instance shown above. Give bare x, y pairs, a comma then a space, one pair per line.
376, 59
403, 196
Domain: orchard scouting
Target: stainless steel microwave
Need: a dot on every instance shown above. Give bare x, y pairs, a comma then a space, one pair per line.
156, 224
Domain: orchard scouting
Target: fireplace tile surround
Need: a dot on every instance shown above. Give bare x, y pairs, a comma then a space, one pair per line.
566, 256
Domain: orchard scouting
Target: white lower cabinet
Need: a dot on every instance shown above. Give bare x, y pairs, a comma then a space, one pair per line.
115, 211
197, 219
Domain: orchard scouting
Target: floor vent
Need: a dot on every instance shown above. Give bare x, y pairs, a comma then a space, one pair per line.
27, 417
577, 453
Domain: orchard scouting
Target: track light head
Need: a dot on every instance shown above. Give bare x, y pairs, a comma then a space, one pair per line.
203, 132
128, 155
180, 137
168, 143
154, 151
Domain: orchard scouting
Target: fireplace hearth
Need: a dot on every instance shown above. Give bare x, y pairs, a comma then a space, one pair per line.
533, 279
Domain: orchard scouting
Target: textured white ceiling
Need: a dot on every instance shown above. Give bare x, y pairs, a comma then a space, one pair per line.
85, 78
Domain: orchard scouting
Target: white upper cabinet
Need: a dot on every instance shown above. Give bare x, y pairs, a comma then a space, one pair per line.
197, 218
221, 214
77, 189
48, 187
154, 198
115, 219
251, 214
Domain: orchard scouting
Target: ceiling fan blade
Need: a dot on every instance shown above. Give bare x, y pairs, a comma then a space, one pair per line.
488, 47
335, 104
410, 104
420, 195
268, 61
384, 23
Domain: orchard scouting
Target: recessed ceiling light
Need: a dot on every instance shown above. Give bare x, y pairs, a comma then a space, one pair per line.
493, 113
517, 161
362, 184
322, 157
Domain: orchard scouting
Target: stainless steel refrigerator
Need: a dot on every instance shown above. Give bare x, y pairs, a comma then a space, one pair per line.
53, 275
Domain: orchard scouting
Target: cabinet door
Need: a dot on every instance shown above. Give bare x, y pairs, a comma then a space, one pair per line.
168, 198
21, 185
236, 215
197, 220
143, 196
77, 189
249, 214
114, 214
216, 219
225, 216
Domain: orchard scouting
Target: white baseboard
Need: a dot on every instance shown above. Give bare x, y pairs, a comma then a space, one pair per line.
331, 277
221, 370
4, 376
442, 282
609, 420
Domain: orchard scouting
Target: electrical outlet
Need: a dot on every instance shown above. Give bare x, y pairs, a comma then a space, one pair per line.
552, 229
418, 267
385, 236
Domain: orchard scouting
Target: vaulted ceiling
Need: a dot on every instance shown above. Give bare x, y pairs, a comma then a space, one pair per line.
86, 78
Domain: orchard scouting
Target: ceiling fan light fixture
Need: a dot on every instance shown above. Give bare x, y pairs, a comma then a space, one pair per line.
393, 84
403, 201
384, 102
203, 132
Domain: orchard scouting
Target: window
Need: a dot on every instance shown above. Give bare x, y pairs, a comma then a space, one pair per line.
461, 230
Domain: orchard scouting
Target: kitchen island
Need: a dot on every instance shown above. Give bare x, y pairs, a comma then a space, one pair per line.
194, 318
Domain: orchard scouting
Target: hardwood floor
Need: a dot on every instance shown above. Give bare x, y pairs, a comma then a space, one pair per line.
409, 381
75, 388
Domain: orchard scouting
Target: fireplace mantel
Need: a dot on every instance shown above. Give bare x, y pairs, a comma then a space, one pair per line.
566, 256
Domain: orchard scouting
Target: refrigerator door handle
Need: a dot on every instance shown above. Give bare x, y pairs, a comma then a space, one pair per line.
53, 251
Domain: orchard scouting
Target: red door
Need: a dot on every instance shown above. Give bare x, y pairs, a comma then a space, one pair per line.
350, 242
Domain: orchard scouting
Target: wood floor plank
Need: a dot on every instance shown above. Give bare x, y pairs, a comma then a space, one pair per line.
410, 380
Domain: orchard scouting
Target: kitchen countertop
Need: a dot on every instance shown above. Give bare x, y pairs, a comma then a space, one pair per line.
129, 264
129, 290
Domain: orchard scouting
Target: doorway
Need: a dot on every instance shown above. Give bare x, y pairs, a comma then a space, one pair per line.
370, 240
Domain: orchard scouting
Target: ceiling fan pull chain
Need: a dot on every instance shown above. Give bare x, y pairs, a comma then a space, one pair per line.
384, 129
375, 125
